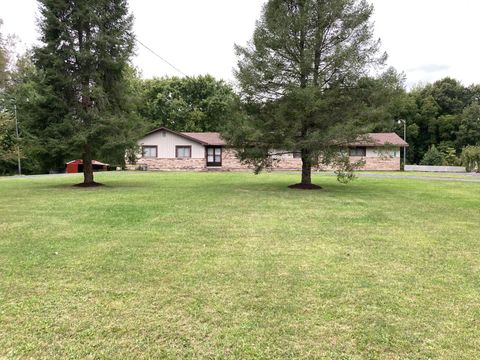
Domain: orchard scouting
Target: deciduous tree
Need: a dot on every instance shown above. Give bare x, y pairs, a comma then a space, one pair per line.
469, 130
199, 103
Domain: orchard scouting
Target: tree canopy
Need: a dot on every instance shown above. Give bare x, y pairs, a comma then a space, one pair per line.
305, 79
199, 103
445, 114
85, 51
8, 141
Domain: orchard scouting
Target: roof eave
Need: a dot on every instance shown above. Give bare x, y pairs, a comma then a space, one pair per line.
178, 134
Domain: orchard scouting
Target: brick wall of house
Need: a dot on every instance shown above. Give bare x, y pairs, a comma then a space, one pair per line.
169, 164
230, 162
383, 163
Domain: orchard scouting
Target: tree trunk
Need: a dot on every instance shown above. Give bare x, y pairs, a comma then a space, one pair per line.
307, 164
87, 166
306, 169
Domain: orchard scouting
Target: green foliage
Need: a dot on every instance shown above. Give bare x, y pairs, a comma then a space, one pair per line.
469, 130
4, 59
449, 154
8, 154
199, 103
471, 158
24, 90
83, 106
433, 157
303, 79
445, 112
449, 94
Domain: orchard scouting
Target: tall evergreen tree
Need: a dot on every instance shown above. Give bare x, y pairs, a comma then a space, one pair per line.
3, 59
86, 48
304, 76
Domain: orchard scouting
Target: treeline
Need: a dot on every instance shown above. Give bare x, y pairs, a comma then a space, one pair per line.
442, 118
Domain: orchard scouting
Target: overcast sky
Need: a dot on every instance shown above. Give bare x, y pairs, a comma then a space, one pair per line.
427, 39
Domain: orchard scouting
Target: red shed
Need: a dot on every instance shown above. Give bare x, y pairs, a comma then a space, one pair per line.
76, 166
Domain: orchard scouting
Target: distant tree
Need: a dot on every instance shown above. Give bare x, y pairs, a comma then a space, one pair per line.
469, 130
450, 157
433, 157
8, 143
199, 103
86, 48
23, 90
4, 59
441, 114
304, 79
450, 95
471, 158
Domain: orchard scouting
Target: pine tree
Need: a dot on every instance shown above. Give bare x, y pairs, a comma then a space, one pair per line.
304, 76
86, 48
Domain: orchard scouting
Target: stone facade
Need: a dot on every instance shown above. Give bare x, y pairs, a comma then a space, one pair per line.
287, 162
383, 163
168, 164
231, 162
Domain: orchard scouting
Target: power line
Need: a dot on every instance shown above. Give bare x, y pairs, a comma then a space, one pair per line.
161, 58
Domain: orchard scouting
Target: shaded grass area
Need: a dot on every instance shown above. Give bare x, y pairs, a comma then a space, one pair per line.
232, 265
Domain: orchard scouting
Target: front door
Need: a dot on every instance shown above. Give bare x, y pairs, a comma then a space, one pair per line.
214, 156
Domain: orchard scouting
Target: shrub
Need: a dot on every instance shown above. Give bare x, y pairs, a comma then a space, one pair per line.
471, 158
432, 157
450, 157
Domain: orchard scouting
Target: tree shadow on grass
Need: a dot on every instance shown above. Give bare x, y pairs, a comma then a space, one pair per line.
99, 187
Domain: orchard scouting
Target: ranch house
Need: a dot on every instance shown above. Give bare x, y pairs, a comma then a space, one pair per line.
165, 149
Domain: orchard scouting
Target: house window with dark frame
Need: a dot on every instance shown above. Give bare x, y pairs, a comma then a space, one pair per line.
183, 152
149, 151
357, 151
214, 156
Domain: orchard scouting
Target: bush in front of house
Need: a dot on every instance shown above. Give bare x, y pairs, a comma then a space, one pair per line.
471, 158
450, 157
433, 157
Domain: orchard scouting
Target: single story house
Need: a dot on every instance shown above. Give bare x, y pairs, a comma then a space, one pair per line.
165, 149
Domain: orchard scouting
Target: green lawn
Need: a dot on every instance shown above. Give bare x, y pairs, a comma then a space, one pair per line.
232, 265
471, 175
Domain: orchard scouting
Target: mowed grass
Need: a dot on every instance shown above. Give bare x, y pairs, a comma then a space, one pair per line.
233, 265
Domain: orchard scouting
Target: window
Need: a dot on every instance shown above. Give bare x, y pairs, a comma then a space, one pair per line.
357, 151
214, 156
183, 152
149, 151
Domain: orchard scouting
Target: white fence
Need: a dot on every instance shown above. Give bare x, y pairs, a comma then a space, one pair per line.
447, 169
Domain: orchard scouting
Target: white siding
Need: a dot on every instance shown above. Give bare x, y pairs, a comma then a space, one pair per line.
166, 143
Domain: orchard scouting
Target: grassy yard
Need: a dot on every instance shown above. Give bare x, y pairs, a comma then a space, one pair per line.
227, 265
472, 175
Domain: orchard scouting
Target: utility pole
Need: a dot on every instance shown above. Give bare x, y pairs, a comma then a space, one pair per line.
18, 140
404, 122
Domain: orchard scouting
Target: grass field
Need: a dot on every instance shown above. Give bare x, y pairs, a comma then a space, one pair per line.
471, 175
227, 265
